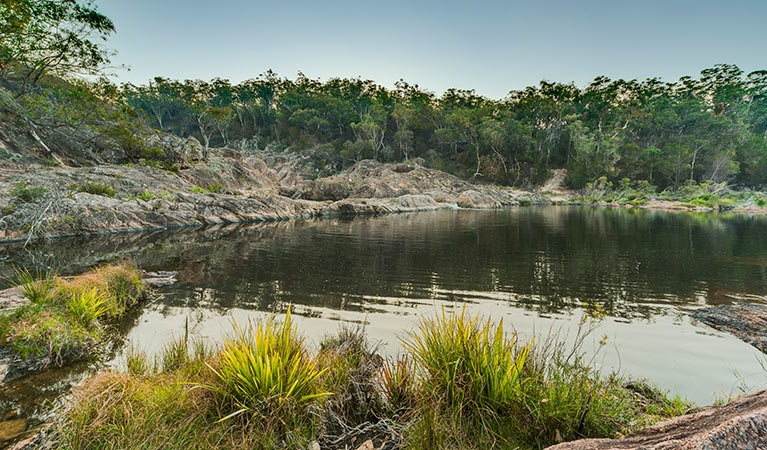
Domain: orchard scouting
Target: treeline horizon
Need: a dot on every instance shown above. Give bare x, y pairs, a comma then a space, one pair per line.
712, 128
706, 128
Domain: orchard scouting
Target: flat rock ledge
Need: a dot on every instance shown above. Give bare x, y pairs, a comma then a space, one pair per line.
746, 321
741, 424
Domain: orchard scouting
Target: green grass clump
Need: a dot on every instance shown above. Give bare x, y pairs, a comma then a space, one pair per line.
463, 383
213, 188
467, 364
26, 193
38, 288
146, 196
398, 384
94, 188
88, 306
66, 319
264, 369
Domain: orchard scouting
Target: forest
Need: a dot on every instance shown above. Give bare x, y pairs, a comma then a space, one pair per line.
706, 128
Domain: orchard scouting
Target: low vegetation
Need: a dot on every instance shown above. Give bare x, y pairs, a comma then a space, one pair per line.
25, 193
717, 196
461, 383
66, 319
94, 188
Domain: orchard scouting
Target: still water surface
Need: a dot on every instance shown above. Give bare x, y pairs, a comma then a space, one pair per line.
537, 268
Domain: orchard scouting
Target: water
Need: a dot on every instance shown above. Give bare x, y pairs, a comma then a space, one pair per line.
537, 268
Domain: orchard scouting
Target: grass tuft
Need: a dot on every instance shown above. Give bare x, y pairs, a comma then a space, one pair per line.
264, 369
38, 288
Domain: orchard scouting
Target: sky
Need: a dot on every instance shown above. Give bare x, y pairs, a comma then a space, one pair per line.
491, 46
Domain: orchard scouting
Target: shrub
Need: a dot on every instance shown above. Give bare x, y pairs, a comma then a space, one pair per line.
29, 194
264, 368
94, 188
152, 153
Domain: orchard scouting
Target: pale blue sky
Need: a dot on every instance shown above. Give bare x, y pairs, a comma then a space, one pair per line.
491, 46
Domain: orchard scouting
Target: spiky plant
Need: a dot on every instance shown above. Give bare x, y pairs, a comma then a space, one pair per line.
38, 287
88, 306
466, 362
264, 367
398, 384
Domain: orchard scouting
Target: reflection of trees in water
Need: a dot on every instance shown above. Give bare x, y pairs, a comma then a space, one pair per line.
547, 259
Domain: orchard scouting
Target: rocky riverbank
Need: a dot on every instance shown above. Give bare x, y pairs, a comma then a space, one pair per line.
39, 201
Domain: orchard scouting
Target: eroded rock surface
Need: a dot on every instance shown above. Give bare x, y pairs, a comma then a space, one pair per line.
741, 425
227, 188
747, 321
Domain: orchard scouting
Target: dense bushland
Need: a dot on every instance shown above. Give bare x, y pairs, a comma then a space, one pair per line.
711, 128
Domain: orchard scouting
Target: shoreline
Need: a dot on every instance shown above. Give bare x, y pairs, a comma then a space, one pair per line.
666, 206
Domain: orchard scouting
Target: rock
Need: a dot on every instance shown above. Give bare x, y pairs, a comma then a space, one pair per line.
401, 204
175, 149
12, 298
747, 321
314, 446
403, 168
367, 445
26, 443
741, 424
160, 279
11, 429
474, 199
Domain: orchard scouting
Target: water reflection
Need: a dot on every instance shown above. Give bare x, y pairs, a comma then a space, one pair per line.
538, 266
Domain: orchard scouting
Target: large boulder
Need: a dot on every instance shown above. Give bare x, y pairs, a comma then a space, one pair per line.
173, 149
475, 199
741, 424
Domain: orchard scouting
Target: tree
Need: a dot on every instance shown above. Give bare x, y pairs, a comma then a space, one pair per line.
52, 36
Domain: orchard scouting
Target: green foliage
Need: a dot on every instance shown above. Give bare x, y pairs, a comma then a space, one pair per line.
468, 364
64, 320
88, 306
213, 188
95, 188
38, 288
40, 36
557, 394
152, 153
264, 369
145, 195
398, 383
26, 193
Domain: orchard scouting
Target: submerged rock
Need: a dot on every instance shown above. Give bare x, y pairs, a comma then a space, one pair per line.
160, 279
747, 321
741, 424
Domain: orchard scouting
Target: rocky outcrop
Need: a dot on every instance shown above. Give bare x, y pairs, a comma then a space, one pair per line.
173, 149
371, 179
227, 188
474, 199
741, 424
747, 321
403, 203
